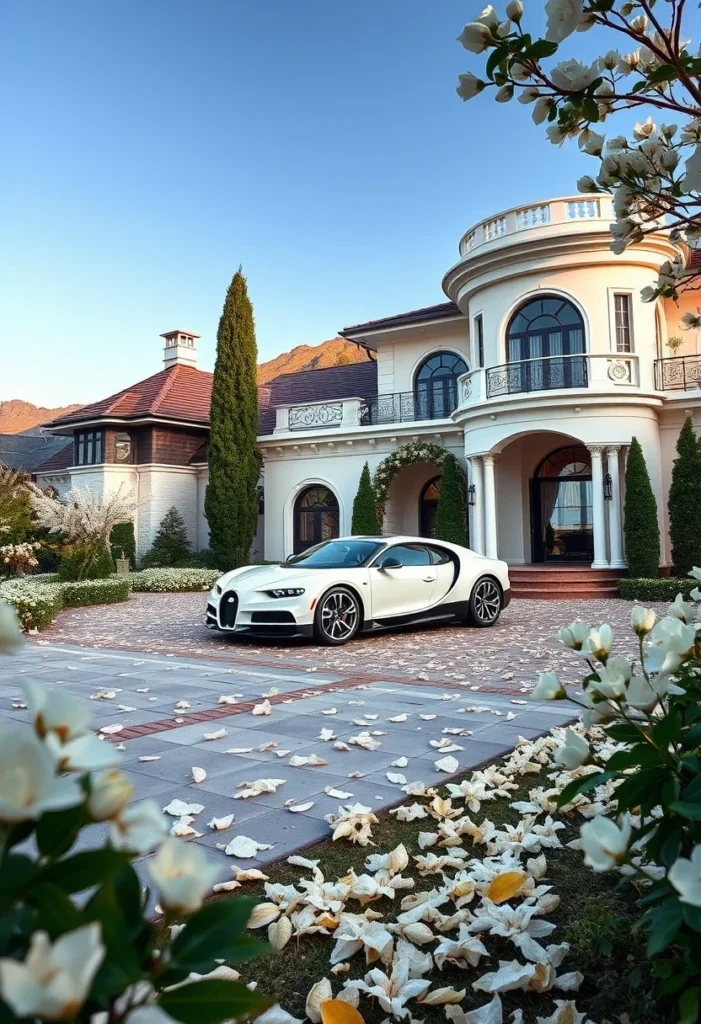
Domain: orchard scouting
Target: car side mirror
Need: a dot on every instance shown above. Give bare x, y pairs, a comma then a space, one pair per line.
390, 562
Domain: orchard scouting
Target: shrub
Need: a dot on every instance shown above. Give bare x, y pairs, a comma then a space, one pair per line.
658, 589
86, 592
684, 502
450, 511
122, 540
171, 546
172, 580
36, 605
85, 563
642, 531
82, 943
365, 518
204, 559
15, 506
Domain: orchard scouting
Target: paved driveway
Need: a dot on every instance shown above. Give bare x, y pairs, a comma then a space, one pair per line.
502, 659
165, 705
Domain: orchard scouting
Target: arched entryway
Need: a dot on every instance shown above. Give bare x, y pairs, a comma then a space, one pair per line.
428, 503
316, 517
561, 507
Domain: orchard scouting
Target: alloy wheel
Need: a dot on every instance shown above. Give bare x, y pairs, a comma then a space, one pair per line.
339, 615
487, 600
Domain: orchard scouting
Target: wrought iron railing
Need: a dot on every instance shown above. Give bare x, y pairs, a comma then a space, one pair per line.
434, 403
545, 374
678, 373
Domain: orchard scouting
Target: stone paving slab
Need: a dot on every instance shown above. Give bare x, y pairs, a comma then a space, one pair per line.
294, 726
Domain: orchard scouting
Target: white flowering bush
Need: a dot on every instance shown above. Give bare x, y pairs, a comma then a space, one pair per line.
37, 600
646, 776
406, 455
84, 521
77, 939
18, 559
653, 175
168, 580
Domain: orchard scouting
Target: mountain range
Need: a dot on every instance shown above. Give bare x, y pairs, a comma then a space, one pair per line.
17, 416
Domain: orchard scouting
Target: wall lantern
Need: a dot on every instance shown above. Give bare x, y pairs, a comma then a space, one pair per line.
471, 492
608, 487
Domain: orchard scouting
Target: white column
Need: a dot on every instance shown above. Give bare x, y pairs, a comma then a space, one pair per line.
477, 524
599, 514
490, 507
615, 534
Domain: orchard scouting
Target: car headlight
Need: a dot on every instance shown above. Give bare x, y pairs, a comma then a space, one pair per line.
286, 592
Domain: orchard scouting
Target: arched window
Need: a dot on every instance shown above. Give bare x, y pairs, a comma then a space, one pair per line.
541, 335
428, 503
316, 517
436, 385
561, 507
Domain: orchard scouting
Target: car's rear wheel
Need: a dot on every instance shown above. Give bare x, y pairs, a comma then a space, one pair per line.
484, 606
337, 617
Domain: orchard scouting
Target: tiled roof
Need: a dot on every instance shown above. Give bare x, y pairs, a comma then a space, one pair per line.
182, 393
347, 381
415, 316
27, 450
179, 392
57, 462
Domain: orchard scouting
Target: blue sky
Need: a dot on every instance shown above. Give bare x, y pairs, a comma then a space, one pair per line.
149, 148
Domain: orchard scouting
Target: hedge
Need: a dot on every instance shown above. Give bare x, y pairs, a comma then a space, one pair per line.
169, 580
38, 600
664, 588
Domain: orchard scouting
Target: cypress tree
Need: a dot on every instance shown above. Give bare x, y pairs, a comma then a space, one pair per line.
123, 542
231, 501
170, 545
684, 502
641, 532
450, 511
365, 517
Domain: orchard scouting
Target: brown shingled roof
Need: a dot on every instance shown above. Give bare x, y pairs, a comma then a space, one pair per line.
178, 392
59, 461
351, 380
440, 311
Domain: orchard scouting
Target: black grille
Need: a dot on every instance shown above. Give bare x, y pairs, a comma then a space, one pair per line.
679, 373
434, 403
272, 617
227, 609
546, 374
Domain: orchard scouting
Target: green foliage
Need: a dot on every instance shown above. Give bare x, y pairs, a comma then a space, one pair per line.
231, 500
86, 592
38, 599
87, 562
204, 559
122, 540
365, 518
684, 501
15, 507
659, 589
171, 546
598, 933
641, 531
405, 455
450, 512
172, 580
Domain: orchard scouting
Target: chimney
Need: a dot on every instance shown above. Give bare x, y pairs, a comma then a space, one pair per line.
180, 347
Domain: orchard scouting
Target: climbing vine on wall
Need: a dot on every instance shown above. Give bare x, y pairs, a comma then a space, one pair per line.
406, 455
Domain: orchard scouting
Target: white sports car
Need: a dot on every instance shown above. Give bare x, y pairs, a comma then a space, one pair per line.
333, 590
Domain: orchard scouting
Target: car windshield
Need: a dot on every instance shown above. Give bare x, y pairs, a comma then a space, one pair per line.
336, 554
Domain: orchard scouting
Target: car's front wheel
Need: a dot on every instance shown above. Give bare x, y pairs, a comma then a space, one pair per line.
484, 606
337, 617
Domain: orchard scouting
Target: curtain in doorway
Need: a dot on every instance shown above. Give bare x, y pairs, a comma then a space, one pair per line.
548, 499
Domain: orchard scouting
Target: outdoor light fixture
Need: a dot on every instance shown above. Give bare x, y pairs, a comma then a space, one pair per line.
608, 487
471, 491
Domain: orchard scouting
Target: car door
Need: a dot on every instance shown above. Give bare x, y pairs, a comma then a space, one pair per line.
445, 567
406, 589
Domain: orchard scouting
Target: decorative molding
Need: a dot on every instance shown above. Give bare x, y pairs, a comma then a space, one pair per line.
490, 458
613, 449
322, 415
619, 371
596, 450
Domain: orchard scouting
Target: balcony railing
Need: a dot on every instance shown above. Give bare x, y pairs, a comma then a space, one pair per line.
678, 373
547, 373
436, 403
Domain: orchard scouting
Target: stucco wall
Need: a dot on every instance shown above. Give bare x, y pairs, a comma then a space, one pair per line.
400, 352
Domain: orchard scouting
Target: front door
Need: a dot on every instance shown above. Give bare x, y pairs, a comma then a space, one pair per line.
561, 520
405, 590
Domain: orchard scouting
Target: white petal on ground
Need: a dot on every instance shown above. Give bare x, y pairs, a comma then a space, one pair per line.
262, 709
215, 735
111, 730
221, 823
198, 774
447, 764
179, 808
150, 757
257, 787
244, 847
337, 794
301, 807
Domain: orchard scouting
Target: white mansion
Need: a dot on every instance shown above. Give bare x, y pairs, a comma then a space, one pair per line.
536, 372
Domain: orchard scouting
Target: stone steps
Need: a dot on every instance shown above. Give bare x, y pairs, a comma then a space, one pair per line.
560, 582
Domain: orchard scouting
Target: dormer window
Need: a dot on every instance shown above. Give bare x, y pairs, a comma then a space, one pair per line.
88, 447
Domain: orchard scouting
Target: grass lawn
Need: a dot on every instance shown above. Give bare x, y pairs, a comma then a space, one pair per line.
596, 915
